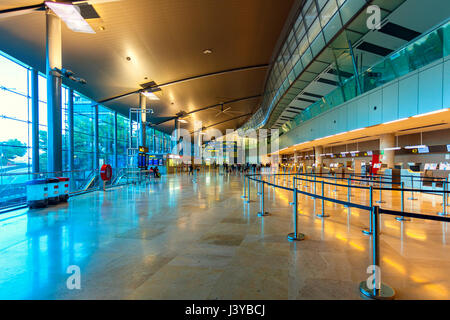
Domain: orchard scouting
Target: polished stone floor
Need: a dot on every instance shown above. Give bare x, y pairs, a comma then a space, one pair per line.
175, 239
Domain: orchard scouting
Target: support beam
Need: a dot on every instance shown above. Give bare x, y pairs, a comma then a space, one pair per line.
206, 75
70, 119
54, 82
115, 164
35, 121
143, 120
96, 144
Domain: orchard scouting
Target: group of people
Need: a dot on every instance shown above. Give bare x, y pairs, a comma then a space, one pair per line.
155, 172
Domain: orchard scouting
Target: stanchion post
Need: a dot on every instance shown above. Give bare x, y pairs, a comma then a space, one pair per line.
294, 186
412, 189
444, 199
349, 195
402, 218
370, 230
312, 197
244, 196
248, 190
323, 215
262, 213
381, 194
380, 291
295, 236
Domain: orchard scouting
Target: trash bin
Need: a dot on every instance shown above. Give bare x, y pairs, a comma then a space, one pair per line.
53, 190
63, 189
37, 193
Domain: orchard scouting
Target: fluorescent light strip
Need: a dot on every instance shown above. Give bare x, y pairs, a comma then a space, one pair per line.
393, 148
415, 147
71, 16
150, 95
430, 113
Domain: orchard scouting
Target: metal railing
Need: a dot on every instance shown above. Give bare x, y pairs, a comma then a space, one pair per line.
374, 289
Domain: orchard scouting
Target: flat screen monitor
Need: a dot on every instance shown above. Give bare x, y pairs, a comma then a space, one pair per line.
444, 166
377, 165
423, 150
430, 166
448, 148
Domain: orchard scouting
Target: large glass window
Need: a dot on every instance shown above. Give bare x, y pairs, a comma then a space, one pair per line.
15, 119
106, 135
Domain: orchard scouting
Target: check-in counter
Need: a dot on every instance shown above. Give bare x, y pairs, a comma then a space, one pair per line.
425, 180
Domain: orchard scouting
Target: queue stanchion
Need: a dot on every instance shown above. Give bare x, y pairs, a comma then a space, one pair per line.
248, 190
444, 199
313, 197
335, 183
295, 236
402, 218
262, 212
412, 189
323, 215
243, 195
373, 287
294, 186
381, 194
369, 231
349, 192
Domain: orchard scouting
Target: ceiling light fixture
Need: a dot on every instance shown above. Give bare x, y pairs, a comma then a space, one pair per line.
150, 95
207, 51
71, 16
182, 121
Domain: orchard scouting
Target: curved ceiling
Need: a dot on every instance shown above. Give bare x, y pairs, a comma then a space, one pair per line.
165, 40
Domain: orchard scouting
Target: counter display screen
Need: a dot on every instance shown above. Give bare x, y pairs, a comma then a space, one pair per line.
430, 166
423, 150
444, 166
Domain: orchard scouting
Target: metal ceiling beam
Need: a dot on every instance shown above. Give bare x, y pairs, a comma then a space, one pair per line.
204, 108
206, 75
221, 122
13, 11
224, 103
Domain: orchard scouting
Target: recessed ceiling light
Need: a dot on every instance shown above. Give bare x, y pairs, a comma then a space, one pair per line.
102, 28
128, 58
207, 51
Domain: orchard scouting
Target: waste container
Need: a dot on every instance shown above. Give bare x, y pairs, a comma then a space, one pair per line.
63, 189
37, 193
53, 190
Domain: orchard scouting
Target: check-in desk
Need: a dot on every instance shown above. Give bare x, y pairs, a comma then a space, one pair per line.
426, 180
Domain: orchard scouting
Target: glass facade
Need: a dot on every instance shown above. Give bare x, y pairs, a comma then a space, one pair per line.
421, 52
16, 132
317, 23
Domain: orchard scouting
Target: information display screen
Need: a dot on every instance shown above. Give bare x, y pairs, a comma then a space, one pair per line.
430, 166
444, 166
377, 165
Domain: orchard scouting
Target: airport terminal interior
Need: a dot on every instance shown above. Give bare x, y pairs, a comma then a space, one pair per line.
224, 150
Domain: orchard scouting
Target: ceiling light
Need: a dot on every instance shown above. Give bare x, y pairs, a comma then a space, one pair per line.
71, 16
415, 147
393, 148
207, 51
182, 121
150, 95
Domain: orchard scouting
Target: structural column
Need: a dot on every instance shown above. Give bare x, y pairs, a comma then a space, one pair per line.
318, 158
96, 144
35, 121
143, 120
388, 141
54, 60
71, 136
115, 140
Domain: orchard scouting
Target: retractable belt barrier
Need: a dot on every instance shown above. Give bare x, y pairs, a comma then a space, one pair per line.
374, 289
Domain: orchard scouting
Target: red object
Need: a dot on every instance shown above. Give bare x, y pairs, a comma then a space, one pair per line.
63, 179
375, 159
106, 172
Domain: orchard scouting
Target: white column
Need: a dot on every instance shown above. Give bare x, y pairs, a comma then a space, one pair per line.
388, 141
